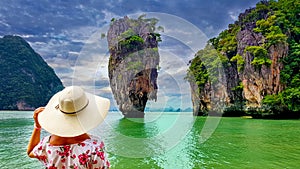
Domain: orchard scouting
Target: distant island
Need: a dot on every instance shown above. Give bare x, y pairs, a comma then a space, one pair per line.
251, 68
27, 81
167, 109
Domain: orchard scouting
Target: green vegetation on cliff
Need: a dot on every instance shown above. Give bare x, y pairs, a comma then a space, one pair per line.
27, 81
133, 63
260, 56
271, 25
285, 28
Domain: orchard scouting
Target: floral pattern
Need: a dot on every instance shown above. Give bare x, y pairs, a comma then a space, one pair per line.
87, 154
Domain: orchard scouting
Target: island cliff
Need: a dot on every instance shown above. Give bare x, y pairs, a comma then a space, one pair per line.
27, 82
249, 69
133, 63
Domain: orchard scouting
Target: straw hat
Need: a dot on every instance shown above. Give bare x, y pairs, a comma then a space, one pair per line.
72, 112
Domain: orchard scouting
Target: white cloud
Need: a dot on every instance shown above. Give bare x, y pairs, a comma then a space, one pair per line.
79, 34
73, 53
232, 15
210, 30
4, 23
109, 15
87, 65
63, 36
37, 43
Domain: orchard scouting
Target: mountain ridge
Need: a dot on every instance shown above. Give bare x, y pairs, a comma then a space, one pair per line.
27, 81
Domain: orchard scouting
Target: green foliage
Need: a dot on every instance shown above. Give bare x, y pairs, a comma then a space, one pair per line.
291, 71
264, 25
273, 38
261, 61
155, 49
270, 27
240, 61
103, 35
257, 13
130, 40
260, 56
197, 72
150, 21
157, 37
226, 41
288, 17
238, 87
142, 17
279, 23
127, 34
206, 66
25, 76
137, 66
160, 28
213, 62
257, 51
135, 39
286, 23
132, 43
287, 100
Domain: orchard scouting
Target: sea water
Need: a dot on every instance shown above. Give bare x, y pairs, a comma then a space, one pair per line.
171, 140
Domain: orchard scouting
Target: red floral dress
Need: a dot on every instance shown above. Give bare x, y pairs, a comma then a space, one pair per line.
89, 154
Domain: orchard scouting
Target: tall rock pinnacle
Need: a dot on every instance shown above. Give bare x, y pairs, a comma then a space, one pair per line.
133, 63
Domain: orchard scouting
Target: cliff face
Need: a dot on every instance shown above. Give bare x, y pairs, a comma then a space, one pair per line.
251, 53
27, 82
260, 81
133, 64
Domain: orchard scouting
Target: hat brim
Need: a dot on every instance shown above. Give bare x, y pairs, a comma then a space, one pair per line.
69, 125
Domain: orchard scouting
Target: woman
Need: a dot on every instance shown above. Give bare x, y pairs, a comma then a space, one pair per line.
68, 116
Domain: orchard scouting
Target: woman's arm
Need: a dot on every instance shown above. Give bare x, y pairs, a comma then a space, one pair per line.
36, 133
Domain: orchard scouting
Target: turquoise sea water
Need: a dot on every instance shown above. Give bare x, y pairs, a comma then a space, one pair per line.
171, 140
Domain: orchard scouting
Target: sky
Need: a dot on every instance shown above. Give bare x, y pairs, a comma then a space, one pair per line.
67, 35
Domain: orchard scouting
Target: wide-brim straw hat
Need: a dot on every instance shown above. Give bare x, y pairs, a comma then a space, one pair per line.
72, 112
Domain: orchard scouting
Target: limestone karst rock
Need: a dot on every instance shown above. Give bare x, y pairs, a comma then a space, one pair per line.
133, 63
247, 65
